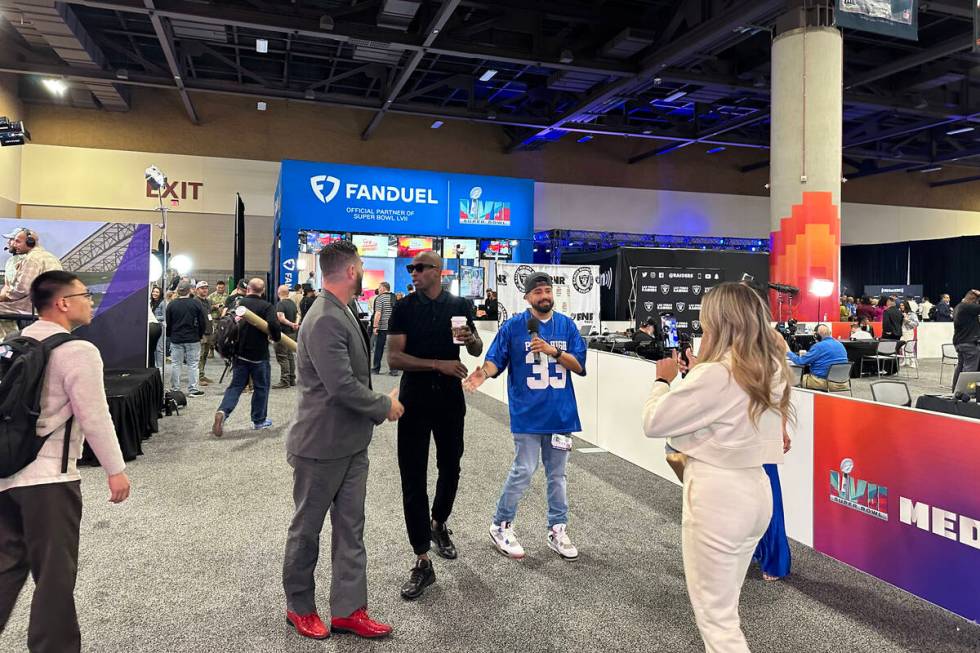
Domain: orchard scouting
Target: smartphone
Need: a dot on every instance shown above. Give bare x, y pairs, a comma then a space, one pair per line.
669, 323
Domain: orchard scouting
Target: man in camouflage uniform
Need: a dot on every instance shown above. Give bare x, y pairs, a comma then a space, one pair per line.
207, 340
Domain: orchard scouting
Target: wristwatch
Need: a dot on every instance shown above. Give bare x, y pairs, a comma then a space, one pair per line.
558, 352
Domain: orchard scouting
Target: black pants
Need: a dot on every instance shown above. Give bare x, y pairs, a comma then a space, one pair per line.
379, 348
39, 534
441, 417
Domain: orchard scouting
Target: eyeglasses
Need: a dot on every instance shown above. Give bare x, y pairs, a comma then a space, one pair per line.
419, 267
86, 295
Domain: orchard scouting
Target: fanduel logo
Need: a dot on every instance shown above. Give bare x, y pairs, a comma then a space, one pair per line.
317, 183
374, 193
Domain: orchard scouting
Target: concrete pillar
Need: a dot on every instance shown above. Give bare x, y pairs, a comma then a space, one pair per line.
805, 166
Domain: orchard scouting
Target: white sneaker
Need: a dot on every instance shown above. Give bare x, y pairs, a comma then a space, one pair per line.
504, 539
560, 544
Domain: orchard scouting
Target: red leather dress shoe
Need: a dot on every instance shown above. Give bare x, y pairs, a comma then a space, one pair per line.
308, 625
360, 624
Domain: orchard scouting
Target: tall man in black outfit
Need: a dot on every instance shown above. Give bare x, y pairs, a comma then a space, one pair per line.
891, 321
966, 334
420, 342
251, 362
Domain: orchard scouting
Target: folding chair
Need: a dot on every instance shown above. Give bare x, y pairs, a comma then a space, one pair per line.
797, 373
840, 373
949, 354
891, 392
884, 352
910, 357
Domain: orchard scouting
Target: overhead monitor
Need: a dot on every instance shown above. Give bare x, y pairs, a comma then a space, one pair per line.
468, 248
499, 250
471, 281
412, 246
311, 242
376, 245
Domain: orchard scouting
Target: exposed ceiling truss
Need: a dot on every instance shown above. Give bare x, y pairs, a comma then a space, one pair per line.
673, 73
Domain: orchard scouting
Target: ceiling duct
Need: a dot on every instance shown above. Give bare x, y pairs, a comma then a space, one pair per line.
627, 44
375, 52
51, 24
398, 14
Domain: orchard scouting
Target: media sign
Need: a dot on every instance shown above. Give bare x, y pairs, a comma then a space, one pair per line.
905, 508
345, 198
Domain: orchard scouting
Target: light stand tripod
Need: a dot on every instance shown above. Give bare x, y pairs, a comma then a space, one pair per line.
156, 180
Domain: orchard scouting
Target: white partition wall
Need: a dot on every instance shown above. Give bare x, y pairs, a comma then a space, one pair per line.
857, 522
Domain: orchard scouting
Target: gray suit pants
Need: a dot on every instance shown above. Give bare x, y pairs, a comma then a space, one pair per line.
339, 486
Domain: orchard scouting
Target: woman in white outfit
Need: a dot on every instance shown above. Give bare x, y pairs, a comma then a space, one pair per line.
728, 415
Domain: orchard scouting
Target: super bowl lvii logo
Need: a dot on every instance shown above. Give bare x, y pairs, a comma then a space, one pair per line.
856, 493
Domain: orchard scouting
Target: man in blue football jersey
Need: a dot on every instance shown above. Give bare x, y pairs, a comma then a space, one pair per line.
543, 412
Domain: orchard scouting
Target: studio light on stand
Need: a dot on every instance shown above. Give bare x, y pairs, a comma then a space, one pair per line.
156, 180
821, 288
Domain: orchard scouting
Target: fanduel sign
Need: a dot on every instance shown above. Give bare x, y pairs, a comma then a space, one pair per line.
325, 188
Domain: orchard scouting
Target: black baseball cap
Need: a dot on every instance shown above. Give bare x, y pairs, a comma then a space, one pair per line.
536, 279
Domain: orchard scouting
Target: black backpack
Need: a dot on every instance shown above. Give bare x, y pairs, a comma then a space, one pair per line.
23, 362
227, 333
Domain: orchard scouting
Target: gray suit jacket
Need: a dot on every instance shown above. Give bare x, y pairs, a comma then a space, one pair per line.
337, 409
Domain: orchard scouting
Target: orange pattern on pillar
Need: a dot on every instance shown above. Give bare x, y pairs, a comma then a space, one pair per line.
807, 247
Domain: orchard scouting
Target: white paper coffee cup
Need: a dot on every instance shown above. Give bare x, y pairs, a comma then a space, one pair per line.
458, 322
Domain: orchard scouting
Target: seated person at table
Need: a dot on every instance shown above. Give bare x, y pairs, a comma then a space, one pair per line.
825, 352
648, 332
858, 332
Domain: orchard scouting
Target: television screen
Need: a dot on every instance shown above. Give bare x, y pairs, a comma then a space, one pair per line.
376, 245
311, 242
409, 247
495, 250
471, 280
469, 248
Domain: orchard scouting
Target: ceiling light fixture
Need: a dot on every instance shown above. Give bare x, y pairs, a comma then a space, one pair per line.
585, 139
487, 76
261, 45
961, 130
931, 169
261, 106
715, 150
55, 86
437, 124
675, 96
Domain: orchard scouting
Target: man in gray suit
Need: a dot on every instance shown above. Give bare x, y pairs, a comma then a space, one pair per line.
327, 449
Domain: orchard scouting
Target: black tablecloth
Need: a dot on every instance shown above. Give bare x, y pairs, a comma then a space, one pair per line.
858, 349
949, 406
135, 398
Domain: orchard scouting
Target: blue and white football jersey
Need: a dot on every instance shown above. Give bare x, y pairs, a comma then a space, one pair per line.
541, 396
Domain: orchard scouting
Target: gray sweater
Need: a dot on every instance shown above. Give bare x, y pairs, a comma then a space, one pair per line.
73, 385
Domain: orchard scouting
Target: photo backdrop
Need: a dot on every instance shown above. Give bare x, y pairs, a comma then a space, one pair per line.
113, 260
576, 290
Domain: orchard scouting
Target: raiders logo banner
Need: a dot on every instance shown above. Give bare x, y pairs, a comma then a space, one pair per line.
576, 290
677, 291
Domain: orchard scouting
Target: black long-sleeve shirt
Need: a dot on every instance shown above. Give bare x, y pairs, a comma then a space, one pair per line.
891, 323
253, 345
186, 320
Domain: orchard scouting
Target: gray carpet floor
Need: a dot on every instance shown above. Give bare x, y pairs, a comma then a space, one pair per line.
192, 561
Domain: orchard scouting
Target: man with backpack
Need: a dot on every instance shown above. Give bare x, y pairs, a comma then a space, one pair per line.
250, 359
60, 377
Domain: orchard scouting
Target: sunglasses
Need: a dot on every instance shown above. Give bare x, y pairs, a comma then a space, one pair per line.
418, 267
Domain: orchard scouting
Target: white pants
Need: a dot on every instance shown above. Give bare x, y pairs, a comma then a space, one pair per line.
726, 512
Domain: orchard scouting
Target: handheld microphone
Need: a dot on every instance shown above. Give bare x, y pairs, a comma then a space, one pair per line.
533, 328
